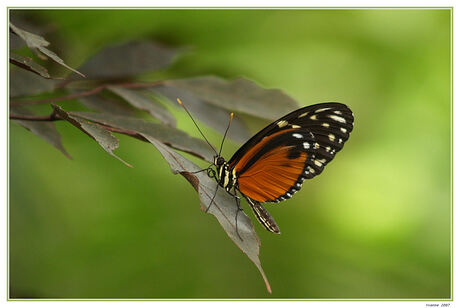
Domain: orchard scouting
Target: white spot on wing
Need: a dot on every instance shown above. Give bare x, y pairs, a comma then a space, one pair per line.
313, 117
303, 114
297, 135
295, 126
282, 123
322, 109
306, 145
325, 124
343, 130
318, 163
337, 118
338, 112
331, 137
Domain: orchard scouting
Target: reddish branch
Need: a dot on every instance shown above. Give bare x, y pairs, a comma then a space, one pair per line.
90, 92
48, 118
56, 117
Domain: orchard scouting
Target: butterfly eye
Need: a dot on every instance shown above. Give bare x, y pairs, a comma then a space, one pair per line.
220, 161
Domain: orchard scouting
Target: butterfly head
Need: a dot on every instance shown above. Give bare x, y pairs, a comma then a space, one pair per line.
219, 160
219, 163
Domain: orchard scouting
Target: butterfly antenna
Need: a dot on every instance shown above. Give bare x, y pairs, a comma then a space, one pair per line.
183, 106
228, 126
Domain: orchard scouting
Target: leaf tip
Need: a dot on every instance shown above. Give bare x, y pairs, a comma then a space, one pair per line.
67, 155
267, 284
81, 74
124, 162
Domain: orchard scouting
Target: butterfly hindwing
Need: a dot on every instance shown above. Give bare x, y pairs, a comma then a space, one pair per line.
276, 167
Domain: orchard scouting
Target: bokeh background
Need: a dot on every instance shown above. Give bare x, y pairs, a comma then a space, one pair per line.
375, 224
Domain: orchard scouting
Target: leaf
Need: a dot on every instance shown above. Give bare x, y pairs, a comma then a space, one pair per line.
15, 42
107, 105
24, 83
139, 100
36, 42
223, 208
128, 59
28, 64
105, 138
240, 95
166, 134
44, 130
211, 115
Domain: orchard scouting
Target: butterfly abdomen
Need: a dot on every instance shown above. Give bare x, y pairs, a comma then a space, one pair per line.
263, 216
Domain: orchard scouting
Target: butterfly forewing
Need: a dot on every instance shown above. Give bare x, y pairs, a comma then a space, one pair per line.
273, 164
311, 118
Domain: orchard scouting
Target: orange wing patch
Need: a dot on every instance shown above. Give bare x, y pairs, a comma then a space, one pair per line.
253, 150
273, 175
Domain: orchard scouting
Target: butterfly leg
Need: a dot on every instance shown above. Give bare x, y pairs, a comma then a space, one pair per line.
238, 202
239, 208
211, 173
194, 172
212, 200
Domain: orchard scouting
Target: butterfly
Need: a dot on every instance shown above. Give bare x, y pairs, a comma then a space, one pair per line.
273, 164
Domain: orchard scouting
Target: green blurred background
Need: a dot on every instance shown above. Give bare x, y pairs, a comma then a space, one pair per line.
375, 224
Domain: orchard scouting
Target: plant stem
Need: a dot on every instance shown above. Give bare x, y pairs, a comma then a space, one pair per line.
90, 92
55, 117
48, 118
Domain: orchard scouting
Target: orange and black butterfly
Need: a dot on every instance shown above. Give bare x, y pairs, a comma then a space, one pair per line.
273, 164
